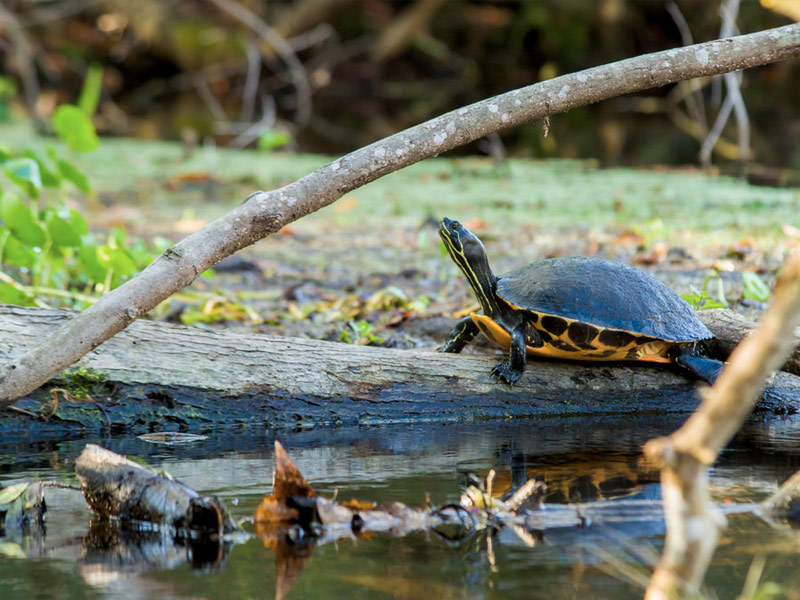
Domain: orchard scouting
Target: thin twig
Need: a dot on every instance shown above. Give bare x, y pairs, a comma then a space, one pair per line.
251, 83
729, 10
22, 411
24, 59
214, 107
694, 98
266, 121
268, 34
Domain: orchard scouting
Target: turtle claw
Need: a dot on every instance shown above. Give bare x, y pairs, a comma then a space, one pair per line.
503, 372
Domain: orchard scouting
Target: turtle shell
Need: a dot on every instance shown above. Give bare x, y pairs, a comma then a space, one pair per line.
603, 293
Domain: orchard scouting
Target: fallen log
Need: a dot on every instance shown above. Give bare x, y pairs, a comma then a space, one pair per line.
730, 328
162, 371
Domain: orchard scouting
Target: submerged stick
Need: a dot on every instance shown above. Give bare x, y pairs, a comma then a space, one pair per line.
693, 523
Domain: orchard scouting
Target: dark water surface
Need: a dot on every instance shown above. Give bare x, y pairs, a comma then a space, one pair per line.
593, 460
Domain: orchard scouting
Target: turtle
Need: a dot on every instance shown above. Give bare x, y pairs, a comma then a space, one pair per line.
575, 308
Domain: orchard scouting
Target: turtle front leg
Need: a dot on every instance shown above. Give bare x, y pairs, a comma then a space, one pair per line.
510, 371
462, 334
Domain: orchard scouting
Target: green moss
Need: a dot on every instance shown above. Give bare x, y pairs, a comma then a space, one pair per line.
82, 382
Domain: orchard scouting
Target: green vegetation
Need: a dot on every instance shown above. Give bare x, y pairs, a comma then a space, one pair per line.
48, 253
81, 382
754, 289
361, 333
702, 299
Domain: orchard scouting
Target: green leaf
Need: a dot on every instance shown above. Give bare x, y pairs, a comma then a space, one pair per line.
116, 259
754, 287
62, 232
271, 139
709, 303
74, 127
11, 493
12, 295
22, 222
49, 178
117, 237
5, 153
71, 173
8, 87
25, 173
18, 254
78, 222
91, 265
90, 93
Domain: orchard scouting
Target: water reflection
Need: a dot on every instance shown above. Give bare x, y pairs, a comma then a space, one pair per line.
600, 529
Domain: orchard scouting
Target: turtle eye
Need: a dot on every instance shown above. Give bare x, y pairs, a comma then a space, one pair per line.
455, 225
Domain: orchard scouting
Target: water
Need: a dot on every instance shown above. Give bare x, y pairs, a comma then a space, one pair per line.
596, 461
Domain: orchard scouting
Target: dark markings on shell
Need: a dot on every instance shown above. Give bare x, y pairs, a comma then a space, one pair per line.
554, 325
615, 339
546, 337
633, 353
582, 334
600, 354
562, 345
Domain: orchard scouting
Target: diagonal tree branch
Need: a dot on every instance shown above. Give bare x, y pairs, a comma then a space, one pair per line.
264, 213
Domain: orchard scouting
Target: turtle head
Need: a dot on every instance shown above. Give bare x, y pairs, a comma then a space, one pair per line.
460, 242
469, 254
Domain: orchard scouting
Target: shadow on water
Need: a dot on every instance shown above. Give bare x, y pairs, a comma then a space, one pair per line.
599, 532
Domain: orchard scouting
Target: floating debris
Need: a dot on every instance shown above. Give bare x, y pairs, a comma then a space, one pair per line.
171, 438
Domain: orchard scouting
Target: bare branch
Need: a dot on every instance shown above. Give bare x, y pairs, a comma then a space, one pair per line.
729, 10
264, 213
274, 39
694, 95
693, 522
251, 83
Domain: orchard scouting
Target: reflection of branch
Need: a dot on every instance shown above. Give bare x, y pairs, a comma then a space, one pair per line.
296, 69
693, 523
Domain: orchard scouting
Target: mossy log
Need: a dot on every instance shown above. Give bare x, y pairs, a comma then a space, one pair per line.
160, 371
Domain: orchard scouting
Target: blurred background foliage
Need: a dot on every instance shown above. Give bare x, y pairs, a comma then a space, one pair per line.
330, 76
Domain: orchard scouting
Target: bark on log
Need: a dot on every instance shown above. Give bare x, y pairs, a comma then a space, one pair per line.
264, 213
731, 328
199, 375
